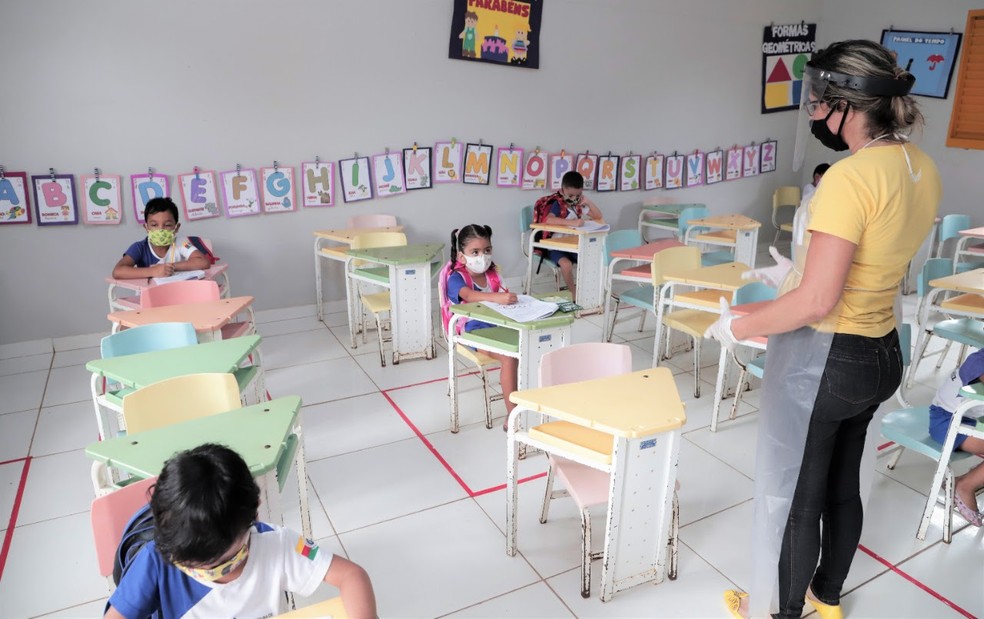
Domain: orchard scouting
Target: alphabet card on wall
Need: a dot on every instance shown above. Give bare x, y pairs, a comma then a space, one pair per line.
653, 172
278, 189
509, 172
240, 192
478, 164
535, 170
447, 165
714, 166
318, 183
387, 173
587, 167
146, 187
607, 173
768, 161
102, 199
199, 195
674, 171
751, 165
628, 172
560, 164
417, 167
356, 184
54, 199
735, 156
15, 208
695, 169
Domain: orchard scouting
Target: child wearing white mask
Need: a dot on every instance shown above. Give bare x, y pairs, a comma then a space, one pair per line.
473, 278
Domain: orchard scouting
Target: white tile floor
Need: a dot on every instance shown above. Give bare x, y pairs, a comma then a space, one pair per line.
434, 544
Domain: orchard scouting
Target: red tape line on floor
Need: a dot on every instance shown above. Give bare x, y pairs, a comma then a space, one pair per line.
9, 535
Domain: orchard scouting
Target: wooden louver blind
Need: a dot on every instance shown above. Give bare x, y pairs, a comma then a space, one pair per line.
967, 118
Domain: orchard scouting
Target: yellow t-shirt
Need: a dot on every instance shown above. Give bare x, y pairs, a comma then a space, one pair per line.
872, 200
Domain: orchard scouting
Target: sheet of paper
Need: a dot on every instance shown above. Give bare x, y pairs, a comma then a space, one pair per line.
525, 309
593, 226
180, 276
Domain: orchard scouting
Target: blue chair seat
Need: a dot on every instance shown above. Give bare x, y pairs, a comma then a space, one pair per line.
962, 331
909, 428
756, 367
640, 296
713, 258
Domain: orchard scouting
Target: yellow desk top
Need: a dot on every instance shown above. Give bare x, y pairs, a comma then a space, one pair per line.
329, 608
731, 222
564, 229
345, 235
631, 405
968, 302
969, 281
725, 276
205, 316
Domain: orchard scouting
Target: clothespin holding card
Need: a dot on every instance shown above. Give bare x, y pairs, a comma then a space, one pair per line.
453, 142
239, 169
537, 151
150, 171
196, 172
562, 152
415, 147
511, 146
317, 161
2, 172
481, 142
387, 150
51, 171
276, 166
95, 172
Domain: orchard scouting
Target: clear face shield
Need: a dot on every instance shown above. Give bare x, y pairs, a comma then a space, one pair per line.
813, 89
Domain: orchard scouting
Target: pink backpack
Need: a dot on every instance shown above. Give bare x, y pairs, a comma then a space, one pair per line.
495, 284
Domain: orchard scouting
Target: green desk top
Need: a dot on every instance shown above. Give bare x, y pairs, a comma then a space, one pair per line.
478, 311
257, 433
667, 209
146, 368
401, 255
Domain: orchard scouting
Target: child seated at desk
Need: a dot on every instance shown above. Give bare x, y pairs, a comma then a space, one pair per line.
567, 207
474, 277
159, 255
211, 558
946, 400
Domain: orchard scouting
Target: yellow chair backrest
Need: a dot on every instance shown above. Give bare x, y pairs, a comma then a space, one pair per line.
674, 259
178, 399
786, 196
370, 240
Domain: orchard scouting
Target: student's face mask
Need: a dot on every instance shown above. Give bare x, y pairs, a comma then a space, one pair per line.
211, 574
161, 237
572, 200
478, 264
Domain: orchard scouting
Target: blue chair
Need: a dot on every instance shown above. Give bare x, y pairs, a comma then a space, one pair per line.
683, 227
615, 241
525, 219
950, 228
158, 336
908, 428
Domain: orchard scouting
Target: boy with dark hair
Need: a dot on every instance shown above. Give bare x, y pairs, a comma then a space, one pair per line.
567, 207
159, 255
211, 558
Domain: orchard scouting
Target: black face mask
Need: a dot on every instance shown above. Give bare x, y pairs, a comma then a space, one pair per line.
822, 132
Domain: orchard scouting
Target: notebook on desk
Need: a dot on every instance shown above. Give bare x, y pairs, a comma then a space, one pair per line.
180, 276
593, 226
525, 309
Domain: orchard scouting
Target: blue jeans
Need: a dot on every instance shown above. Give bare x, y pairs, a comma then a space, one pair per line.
861, 373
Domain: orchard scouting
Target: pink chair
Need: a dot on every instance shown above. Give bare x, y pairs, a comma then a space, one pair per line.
588, 486
192, 291
372, 221
109, 514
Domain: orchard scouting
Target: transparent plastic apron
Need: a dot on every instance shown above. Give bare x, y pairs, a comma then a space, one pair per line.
793, 367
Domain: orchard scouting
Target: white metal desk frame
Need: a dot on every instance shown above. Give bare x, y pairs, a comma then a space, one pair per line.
746, 240
590, 263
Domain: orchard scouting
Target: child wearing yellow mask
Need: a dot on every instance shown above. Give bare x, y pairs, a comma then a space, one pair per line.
159, 255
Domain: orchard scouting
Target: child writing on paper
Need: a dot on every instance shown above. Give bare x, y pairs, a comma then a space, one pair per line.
159, 255
473, 277
567, 207
211, 558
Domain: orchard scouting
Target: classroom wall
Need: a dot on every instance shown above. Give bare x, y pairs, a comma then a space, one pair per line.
125, 85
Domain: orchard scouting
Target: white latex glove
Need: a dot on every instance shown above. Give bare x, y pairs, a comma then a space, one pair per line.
721, 330
773, 275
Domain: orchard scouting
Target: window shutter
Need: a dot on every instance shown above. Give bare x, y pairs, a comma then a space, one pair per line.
967, 118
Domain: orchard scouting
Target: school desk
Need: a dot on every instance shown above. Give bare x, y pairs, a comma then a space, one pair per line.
410, 271
963, 248
643, 414
133, 288
642, 255
333, 245
209, 318
735, 231
661, 217
267, 436
526, 341
329, 608
756, 343
589, 247
711, 283
133, 372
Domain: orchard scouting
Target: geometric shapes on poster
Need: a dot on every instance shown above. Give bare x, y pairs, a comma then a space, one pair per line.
54, 199
102, 199
509, 172
15, 204
779, 95
768, 156
629, 171
278, 189
356, 184
607, 178
199, 195
536, 170
714, 166
447, 161
752, 160
674, 171
560, 164
146, 187
417, 167
653, 174
587, 167
735, 157
240, 192
387, 174
779, 73
478, 164
695, 169
317, 183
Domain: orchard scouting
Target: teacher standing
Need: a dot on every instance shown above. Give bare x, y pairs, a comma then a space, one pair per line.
834, 352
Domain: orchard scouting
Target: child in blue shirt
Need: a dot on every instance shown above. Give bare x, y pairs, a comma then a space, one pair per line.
946, 400
159, 255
